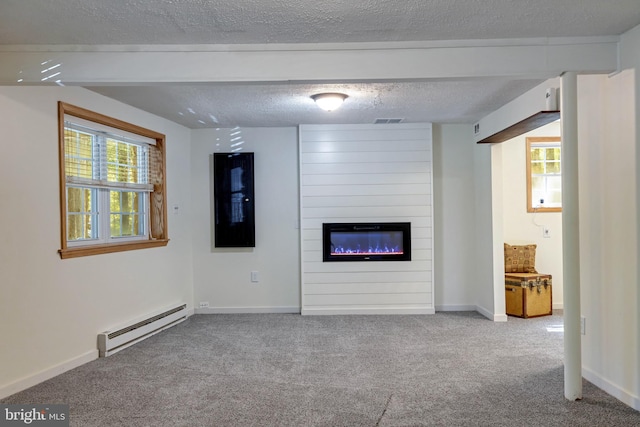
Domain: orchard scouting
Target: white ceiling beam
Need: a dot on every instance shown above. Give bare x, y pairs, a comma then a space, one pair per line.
453, 60
525, 106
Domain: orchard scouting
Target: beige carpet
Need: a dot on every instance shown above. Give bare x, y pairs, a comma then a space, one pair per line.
448, 369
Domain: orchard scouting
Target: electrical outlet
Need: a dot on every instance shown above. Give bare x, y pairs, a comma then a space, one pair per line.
254, 276
546, 233
204, 304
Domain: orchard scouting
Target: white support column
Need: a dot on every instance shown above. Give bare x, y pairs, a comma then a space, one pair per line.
571, 238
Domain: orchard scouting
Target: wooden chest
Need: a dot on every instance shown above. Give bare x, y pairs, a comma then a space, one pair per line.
528, 294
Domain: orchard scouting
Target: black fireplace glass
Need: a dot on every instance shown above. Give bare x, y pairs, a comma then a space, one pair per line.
233, 185
385, 241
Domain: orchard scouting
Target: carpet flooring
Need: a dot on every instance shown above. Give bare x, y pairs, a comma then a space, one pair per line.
447, 369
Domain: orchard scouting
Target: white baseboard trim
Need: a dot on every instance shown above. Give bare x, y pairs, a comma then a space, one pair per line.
358, 311
558, 306
614, 390
247, 310
500, 317
46, 374
454, 307
489, 315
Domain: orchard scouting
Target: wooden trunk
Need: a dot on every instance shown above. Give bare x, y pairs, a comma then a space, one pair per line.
528, 294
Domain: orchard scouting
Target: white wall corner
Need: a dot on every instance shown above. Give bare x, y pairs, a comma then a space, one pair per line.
625, 396
46, 374
491, 316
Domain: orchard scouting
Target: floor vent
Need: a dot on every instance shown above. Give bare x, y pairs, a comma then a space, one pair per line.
111, 342
386, 121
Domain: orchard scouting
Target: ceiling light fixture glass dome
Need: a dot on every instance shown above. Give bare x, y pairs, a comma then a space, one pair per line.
329, 101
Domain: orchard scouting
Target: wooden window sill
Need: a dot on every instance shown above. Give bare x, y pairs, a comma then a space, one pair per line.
539, 210
80, 251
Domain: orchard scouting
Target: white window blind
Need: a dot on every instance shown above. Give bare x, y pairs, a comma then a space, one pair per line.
98, 159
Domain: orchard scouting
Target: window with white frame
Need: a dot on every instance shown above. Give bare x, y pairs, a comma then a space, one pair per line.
544, 174
112, 184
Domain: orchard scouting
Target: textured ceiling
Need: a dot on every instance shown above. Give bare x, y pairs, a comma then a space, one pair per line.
202, 106
148, 22
305, 21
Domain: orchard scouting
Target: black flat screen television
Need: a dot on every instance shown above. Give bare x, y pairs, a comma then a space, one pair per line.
386, 241
233, 186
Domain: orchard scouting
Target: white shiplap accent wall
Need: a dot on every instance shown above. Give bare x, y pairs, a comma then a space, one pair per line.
366, 173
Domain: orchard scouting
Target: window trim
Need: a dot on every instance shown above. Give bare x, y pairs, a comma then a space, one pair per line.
530, 141
158, 207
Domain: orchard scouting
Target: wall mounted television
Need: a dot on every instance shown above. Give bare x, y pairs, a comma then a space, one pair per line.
363, 241
234, 209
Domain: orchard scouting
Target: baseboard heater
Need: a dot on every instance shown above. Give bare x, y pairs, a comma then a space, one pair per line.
111, 342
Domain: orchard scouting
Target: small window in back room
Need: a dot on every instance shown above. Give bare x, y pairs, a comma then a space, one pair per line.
544, 179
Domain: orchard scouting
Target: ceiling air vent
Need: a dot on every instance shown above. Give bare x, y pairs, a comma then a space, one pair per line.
387, 121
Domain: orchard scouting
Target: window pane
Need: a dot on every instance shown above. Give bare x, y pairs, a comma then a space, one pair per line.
555, 197
537, 183
554, 183
537, 154
122, 161
74, 200
553, 167
537, 168
127, 225
536, 196
126, 211
553, 154
78, 154
114, 201
79, 227
80, 213
115, 225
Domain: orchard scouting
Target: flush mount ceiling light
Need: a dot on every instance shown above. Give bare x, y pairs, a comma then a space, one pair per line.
329, 101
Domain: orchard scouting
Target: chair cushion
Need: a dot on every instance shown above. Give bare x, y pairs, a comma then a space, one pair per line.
520, 258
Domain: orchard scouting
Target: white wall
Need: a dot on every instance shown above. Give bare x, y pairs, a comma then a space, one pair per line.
222, 276
455, 278
366, 173
608, 133
630, 55
521, 227
483, 262
51, 310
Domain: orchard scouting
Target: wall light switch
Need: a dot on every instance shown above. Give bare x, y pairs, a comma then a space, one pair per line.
254, 276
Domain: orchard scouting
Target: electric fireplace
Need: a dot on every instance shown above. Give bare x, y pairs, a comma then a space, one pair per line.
385, 241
